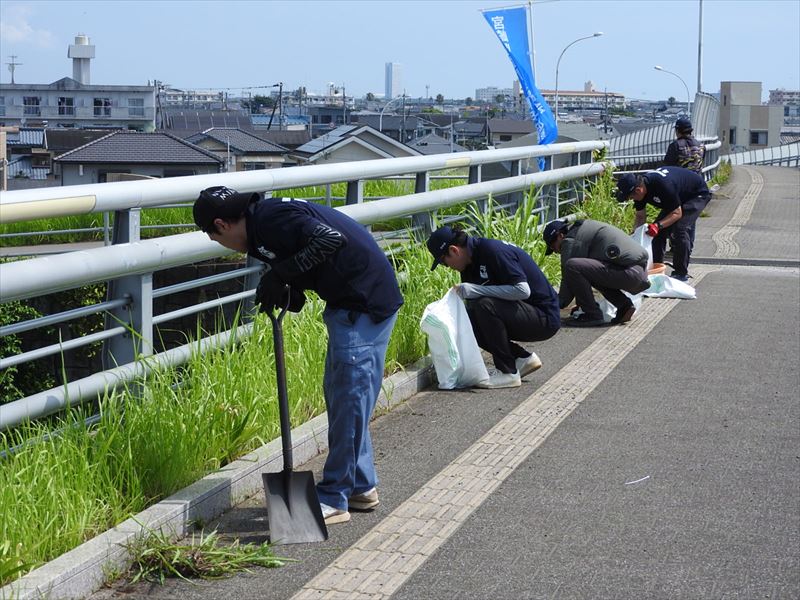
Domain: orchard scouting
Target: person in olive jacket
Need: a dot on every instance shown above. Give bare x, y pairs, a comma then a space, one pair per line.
601, 256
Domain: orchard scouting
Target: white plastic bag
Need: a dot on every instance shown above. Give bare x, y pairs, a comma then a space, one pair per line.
609, 310
456, 356
662, 286
646, 242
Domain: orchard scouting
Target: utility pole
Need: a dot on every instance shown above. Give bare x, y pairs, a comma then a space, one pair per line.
403, 130
700, 51
13, 65
344, 105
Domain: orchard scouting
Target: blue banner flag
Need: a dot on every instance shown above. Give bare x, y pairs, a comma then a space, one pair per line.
510, 25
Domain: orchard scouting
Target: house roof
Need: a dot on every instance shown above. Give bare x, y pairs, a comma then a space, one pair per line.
26, 136
22, 167
510, 126
288, 139
239, 140
435, 144
133, 147
61, 140
190, 121
347, 134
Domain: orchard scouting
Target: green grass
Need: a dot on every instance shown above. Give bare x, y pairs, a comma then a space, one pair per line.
184, 423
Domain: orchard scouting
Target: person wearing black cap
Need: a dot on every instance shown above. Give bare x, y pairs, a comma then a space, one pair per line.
685, 151
507, 298
599, 255
680, 195
307, 246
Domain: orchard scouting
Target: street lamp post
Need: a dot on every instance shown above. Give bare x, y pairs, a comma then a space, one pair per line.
380, 119
594, 35
688, 99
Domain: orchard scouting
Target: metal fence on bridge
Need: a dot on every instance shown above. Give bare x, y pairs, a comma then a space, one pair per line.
129, 263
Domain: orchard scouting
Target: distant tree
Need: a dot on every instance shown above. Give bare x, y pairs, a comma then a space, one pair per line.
439, 99
500, 98
431, 110
467, 100
671, 101
370, 96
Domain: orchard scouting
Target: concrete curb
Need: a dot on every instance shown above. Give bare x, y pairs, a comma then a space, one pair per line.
83, 570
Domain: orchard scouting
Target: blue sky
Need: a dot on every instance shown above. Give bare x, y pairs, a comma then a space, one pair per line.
444, 44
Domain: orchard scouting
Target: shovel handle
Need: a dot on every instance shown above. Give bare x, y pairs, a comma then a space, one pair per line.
280, 371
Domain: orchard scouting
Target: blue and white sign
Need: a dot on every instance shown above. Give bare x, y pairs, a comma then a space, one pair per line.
510, 25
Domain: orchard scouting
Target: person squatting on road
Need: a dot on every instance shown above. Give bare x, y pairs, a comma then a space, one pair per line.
680, 195
507, 297
311, 247
685, 151
599, 255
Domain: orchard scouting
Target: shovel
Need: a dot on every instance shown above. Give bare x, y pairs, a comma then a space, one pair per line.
295, 515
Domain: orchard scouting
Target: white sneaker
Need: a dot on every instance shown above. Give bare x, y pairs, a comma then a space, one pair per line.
528, 364
333, 515
500, 380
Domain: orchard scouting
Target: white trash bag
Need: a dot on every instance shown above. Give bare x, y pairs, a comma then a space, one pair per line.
456, 356
662, 286
646, 242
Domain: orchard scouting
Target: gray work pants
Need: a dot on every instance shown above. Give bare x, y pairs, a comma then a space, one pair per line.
583, 274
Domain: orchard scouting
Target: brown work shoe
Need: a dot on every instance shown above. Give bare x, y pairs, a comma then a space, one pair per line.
365, 501
623, 315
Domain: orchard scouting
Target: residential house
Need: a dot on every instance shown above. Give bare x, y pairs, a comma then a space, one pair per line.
156, 154
435, 144
241, 151
349, 143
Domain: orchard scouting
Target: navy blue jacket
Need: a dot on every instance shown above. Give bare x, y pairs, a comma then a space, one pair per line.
313, 247
495, 262
671, 187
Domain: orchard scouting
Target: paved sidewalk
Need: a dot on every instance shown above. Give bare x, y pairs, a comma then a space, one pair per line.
659, 459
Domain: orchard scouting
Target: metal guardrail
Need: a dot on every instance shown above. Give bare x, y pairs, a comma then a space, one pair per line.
787, 155
128, 265
650, 145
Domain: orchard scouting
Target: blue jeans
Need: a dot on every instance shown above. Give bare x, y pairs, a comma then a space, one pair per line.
352, 381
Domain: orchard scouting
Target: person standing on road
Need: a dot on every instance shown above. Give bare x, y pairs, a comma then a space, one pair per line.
685, 151
680, 195
307, 246
507, 298
599, 255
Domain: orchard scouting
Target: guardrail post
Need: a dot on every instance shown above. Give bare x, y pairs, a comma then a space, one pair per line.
475, 175
548, 196
138, 315
516, 198
422, 222
250, 283
355, 192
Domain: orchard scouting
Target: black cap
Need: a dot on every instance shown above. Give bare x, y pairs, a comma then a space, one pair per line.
551, 230
625, 185
683, 125
220, 202
439, 242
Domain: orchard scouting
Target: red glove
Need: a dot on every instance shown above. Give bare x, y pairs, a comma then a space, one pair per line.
653, 229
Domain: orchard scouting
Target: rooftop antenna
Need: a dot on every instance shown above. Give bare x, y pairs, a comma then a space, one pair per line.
13, 65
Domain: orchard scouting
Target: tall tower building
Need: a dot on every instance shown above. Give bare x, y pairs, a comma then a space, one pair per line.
394, 80
81, 53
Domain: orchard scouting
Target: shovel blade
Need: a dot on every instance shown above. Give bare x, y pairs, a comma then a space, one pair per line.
295, 516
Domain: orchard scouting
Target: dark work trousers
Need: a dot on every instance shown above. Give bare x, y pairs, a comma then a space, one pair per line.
496, 322
580, 275
681, 234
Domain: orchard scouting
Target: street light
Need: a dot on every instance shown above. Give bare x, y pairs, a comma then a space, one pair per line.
594, 35
688, 100
380, 119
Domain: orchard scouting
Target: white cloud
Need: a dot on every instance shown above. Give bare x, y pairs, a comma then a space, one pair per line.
16, 29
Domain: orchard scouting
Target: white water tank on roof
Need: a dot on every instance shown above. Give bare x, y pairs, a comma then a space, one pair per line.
81, 53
